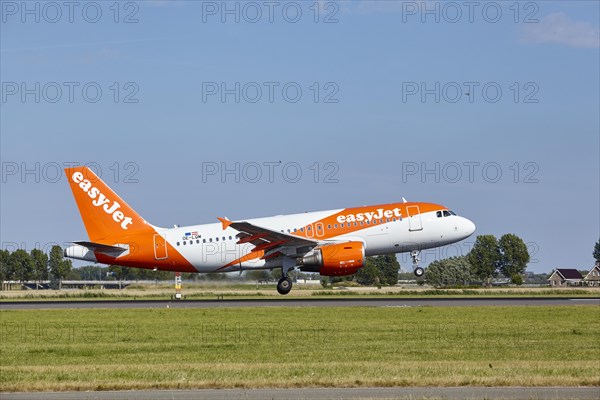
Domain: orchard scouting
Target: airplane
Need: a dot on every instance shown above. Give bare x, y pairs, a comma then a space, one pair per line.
332, 243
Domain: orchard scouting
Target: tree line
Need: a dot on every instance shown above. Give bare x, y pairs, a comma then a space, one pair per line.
488, 259
37, 266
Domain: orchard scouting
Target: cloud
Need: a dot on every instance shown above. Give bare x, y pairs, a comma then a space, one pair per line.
559, 28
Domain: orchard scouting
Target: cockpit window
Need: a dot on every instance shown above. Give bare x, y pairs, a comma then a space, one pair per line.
444, 213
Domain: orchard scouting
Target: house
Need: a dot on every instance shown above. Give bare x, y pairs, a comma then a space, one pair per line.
593, 277
565, 277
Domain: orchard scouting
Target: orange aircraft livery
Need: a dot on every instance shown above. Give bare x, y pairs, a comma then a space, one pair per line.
333, 242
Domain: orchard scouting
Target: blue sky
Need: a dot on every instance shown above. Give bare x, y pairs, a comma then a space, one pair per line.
389, 90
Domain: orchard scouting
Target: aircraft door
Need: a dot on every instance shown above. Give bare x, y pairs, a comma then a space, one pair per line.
414, 218
160, 247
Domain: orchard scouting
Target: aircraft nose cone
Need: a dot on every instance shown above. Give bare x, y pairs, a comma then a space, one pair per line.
469, 227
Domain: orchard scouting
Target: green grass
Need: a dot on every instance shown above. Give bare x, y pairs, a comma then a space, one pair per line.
102, 349
140, 292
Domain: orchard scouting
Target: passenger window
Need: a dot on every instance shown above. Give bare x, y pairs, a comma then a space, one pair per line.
329, 226
210, 240
184, 242
177, 243
335, 226
203, 240
197, 241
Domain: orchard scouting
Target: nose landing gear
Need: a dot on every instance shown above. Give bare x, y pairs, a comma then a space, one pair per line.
418, 271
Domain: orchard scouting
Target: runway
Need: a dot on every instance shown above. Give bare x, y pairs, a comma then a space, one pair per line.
295, 302
507, 393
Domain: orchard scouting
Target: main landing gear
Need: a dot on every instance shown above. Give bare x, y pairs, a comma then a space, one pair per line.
418, 271
284, 285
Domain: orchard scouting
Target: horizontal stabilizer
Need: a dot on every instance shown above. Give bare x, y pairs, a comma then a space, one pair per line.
86, 250
103, 248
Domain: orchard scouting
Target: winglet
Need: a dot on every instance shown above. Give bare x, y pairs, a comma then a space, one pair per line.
226, 222
404, 200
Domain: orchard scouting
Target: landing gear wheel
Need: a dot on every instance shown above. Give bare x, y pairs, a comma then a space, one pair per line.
284, 285
419, 272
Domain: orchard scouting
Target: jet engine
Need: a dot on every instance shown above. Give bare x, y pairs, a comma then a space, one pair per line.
335, 259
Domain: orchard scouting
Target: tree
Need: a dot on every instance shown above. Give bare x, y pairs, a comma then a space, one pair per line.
257, 275
21, 264
275, 274
514, 257
535, 279
484, 257
379, 270
40, 265
597, 251
369, 274
58, 267
91, 272
4, 272
120, 273
388, 266
453, 271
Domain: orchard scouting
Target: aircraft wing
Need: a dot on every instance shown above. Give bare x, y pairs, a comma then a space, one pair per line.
272, 242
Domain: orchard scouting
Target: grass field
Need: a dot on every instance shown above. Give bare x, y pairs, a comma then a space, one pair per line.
102, 349
207, 291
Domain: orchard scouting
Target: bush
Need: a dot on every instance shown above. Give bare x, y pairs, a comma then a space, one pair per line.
517, 279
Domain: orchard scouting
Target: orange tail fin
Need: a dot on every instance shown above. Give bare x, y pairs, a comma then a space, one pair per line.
105, 215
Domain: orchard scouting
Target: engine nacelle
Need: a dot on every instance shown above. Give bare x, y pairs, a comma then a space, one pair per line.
335, 259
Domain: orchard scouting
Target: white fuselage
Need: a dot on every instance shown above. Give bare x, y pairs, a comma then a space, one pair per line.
209, 247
